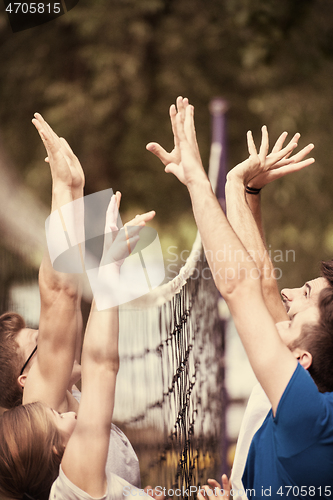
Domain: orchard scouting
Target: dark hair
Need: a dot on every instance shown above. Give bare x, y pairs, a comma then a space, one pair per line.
31, 450
11, 360
326, 268
317, 339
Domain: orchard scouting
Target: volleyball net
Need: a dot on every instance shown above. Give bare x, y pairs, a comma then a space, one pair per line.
170, 395
171, 398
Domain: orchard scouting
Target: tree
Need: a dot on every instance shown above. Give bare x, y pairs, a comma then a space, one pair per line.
105, 75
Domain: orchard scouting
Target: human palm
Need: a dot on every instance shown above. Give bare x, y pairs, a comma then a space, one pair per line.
262, 168
120, 242
184, 160
64, 165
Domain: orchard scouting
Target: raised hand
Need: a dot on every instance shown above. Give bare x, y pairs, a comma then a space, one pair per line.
262, 168
105, 280
215, 490
180, 116
65, 166
119, 243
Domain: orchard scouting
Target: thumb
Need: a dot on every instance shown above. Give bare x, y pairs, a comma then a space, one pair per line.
158, 151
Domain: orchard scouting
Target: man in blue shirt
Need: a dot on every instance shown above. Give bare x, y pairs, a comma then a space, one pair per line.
301, 417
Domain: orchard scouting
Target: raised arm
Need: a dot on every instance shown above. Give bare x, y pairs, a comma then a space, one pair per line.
100, 364
77, 186
244, 212
237, 277
60, 319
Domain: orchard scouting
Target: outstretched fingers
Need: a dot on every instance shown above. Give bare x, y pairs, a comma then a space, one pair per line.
294, 140
296, 159
181, 106
186, 151
278, 147
180, 123
146, 217
263, 151
51, 141
132, 228
157, 150
112, 213
185, 129
283, 170
275, 160
173, 114
264, 168
302, 153
122, 242
250, 144
64, 165
189, 128
44, 132
44, 128
279, 143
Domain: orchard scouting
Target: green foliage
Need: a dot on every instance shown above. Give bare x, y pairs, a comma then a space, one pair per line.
105, 74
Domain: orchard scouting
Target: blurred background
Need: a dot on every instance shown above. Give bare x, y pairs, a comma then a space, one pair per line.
104, 76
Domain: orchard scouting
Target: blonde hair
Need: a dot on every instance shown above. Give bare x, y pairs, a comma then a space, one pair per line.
30, 452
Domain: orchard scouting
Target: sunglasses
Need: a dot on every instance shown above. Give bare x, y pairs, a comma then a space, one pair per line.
27, 361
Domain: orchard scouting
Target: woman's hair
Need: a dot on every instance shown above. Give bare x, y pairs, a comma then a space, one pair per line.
31, 450
11, 360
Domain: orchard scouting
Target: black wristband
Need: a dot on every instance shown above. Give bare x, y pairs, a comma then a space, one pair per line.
250, 190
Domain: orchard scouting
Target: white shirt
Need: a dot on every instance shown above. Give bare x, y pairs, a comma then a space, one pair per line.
122, 459
256, 410
118, 489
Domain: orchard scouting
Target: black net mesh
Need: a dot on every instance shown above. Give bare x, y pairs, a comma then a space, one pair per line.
170, 394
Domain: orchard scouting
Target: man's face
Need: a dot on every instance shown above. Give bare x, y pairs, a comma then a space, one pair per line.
27, 341
290, 330
297, 300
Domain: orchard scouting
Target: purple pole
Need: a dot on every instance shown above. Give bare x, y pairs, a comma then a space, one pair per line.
218, 108
217, 174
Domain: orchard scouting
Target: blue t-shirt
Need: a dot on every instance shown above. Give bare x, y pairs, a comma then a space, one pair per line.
295, 448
